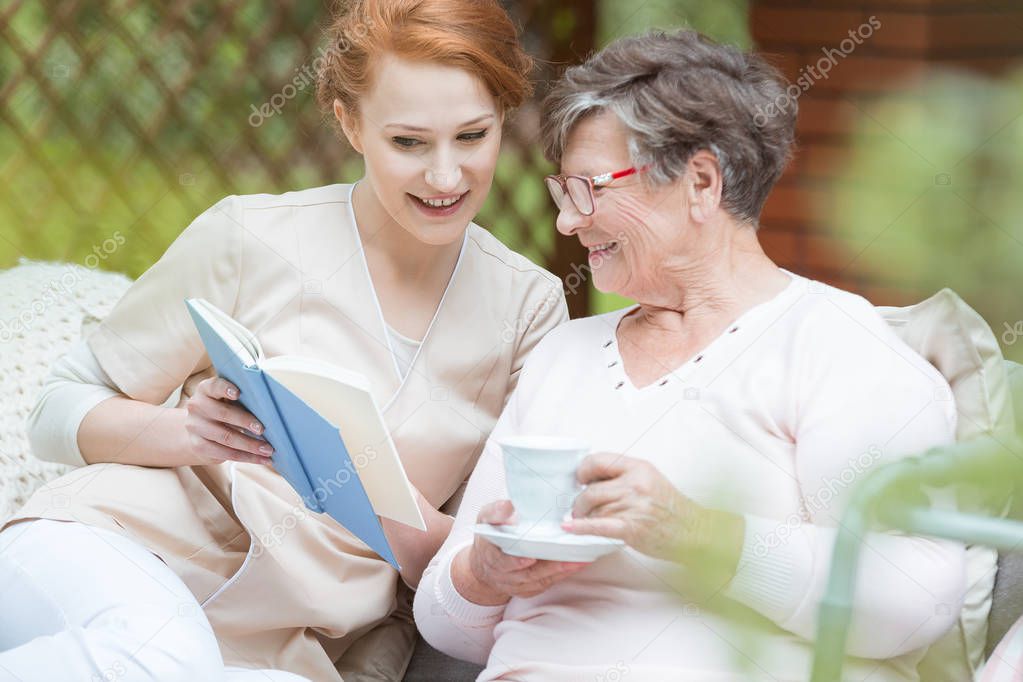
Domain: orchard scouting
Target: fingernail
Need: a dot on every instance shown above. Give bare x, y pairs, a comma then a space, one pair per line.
232, 393
266, 449
256, 427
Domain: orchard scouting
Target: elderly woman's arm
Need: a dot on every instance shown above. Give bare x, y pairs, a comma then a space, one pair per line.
909, 590
849, 411
464, 590
447, 620
854, 411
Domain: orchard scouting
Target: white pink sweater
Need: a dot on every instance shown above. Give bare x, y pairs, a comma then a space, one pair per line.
774, 420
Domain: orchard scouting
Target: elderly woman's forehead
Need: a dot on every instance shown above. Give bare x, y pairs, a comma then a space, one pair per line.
593, 143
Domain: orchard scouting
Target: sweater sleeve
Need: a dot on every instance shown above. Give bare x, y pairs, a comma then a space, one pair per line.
865, 400
76, 384
447, 620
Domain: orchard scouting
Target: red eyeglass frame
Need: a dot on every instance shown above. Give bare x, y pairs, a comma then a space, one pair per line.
593, 182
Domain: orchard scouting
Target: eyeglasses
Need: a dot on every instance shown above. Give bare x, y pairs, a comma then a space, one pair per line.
579, 188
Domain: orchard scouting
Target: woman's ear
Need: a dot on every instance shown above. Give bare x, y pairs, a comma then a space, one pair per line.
349, 125
704, 184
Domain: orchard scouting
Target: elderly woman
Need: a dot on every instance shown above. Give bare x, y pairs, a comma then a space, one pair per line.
728, 412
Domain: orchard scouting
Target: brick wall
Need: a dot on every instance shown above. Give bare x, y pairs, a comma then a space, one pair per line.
899, 41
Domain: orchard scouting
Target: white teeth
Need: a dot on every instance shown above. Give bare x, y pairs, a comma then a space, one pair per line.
440, 203
601, 247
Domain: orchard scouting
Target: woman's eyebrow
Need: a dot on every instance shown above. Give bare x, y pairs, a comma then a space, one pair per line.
405, 126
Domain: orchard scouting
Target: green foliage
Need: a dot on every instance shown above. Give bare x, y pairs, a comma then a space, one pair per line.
930, 197
724, 20
529, 229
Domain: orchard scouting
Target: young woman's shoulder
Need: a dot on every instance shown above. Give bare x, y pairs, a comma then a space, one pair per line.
269, 215
312, 196
492, 252
275, 220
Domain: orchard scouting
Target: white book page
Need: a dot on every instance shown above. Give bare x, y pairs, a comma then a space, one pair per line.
343, 398
232, 331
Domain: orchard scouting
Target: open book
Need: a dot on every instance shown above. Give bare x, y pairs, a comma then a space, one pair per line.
329, 438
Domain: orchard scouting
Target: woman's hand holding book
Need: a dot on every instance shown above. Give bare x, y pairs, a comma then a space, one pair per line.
217, 426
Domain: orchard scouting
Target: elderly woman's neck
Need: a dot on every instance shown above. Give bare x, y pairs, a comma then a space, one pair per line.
731, 276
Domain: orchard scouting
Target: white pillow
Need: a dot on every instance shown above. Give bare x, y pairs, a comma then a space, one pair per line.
960, 344
42, 306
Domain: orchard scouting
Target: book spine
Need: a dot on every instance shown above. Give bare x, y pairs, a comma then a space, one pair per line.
295, 465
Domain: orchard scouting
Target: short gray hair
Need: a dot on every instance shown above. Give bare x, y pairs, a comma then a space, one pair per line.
678, 93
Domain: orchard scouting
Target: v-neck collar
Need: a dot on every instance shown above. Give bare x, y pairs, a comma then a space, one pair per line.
385, 337
737, 330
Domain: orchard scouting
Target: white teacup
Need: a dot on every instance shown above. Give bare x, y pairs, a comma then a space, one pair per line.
540, 475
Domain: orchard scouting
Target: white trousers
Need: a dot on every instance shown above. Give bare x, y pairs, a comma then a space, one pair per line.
83, 604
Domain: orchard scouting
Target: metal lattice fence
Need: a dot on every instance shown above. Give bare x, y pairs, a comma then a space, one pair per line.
121, 120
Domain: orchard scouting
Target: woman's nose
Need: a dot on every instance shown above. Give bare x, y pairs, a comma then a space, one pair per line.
570, 220
445, 176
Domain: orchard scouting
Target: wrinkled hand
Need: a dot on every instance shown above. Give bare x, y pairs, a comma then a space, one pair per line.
214, 424
630, 499
495, 576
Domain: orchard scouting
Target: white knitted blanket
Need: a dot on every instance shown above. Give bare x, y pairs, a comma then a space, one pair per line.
44, 308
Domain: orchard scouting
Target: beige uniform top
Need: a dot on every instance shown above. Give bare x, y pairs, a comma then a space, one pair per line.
283, 587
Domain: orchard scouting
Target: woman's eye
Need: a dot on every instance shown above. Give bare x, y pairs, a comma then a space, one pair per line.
405, 141
473, 137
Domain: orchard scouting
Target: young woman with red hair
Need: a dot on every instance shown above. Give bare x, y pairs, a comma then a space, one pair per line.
179, 554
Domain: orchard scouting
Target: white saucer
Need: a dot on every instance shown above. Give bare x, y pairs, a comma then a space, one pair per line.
541, 543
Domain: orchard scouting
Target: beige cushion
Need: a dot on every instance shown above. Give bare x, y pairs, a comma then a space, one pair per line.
384, 652
957, 341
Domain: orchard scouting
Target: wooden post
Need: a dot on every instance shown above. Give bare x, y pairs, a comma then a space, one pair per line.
573, 38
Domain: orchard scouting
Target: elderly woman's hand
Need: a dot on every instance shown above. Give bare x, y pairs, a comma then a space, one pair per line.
484, 574
632, 500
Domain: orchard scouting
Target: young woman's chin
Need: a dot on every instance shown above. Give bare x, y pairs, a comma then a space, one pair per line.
439, 235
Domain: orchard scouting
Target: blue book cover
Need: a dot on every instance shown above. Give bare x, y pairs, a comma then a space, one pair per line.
309, 451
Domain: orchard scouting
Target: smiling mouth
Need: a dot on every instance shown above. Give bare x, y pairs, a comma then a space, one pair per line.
444, 202
600, 248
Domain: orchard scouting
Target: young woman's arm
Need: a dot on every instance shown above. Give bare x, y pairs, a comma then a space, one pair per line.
75, 385
145, 350
81, 418
128, 431
413, 548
